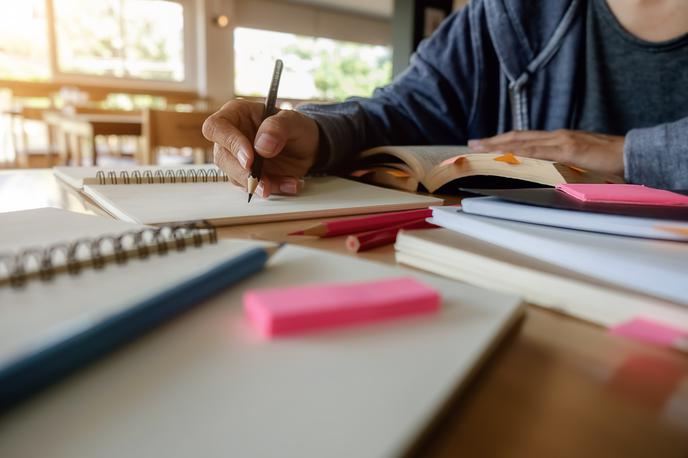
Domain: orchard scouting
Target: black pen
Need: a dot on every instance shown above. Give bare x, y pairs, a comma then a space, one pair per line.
270, 109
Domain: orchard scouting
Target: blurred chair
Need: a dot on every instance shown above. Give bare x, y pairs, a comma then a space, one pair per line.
110, 143
174, 129
30, 140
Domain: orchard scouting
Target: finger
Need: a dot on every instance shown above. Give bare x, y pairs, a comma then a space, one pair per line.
224, 159
548, 152
525, 144
221, 131
276, 131
288, 185
237, 174
508, 137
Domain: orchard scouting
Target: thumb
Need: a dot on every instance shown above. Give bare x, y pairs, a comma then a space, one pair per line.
276, 131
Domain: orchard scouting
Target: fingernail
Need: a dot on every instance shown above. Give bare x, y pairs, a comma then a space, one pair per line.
260, 189
266, 144
475, 144
243, 158
288, 186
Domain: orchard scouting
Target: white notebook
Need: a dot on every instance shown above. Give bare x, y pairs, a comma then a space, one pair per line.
207, 385
495, 207
64, 275
77, 177
657, 268
483, 264
222, 203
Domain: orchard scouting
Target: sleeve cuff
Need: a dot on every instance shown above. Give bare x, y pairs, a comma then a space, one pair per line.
336, 143
658, 156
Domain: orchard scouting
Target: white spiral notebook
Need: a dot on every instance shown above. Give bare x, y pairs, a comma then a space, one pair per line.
170, 194
74, 287
206, 384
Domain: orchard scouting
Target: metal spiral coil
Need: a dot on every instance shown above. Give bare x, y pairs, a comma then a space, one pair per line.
161, 176
44, 263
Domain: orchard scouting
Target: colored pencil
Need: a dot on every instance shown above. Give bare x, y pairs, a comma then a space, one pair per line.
372, 239
364, 223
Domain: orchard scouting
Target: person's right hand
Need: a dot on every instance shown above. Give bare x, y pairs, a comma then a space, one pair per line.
288, 140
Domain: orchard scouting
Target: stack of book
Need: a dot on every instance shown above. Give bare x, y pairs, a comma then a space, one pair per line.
607, 262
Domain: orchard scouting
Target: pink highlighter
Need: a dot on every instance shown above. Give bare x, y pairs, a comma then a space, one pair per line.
283, 311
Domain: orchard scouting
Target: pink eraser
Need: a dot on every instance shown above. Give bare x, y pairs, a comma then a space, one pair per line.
633, 194
291, 310
652, 332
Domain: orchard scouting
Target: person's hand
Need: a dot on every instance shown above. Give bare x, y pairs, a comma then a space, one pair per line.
288, 140
598, 152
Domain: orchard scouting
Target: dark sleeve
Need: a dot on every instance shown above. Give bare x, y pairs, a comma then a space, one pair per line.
430, 103
658, 156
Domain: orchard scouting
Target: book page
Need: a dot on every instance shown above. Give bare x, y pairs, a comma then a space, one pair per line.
420, 158
226, 204
487, 164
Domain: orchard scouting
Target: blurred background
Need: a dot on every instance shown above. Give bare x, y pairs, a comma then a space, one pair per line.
118, 81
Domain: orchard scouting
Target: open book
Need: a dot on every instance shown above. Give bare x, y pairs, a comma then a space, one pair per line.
432, 167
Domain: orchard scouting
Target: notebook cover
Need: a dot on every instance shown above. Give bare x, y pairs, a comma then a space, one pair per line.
631, 194
549, 197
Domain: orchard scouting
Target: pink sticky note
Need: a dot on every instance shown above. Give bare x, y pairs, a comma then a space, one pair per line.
291, 310
622, 194
652, 332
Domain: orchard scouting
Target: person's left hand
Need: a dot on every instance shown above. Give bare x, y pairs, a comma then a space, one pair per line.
587, 150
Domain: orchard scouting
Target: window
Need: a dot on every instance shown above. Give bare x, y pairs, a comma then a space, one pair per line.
129, 39
23, 41
314, 68
141, 39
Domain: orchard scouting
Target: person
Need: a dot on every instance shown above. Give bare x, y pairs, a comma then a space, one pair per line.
598, 84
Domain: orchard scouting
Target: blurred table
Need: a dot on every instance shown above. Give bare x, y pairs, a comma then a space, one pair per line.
76, 133
555, 387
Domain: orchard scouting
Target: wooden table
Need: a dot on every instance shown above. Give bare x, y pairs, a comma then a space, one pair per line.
556, 387
77, 133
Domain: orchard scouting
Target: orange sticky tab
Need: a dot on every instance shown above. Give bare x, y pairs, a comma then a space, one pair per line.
457, 160
397, 173
577, 169
509, 158
361, 173
673, 230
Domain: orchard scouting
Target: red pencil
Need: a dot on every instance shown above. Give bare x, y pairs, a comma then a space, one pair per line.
379, 237
364, 223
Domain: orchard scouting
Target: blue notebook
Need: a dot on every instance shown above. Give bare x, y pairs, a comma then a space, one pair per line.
65, 304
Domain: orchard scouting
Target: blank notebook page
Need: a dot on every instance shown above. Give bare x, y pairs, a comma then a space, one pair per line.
224, 203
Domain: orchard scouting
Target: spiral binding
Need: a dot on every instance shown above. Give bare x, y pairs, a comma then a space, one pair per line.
44, 263
161, 176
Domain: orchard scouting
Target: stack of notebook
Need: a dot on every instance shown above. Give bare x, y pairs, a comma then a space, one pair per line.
569, 260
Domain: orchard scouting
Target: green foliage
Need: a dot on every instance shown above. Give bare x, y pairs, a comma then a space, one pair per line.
343, 70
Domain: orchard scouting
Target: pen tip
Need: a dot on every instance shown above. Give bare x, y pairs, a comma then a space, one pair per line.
249, 196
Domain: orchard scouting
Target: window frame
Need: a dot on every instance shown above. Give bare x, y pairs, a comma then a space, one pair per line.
190, 38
